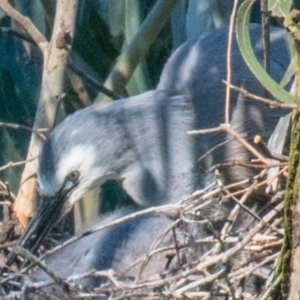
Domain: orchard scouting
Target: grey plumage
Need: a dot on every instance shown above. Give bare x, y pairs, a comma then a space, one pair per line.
133, 140
204, 65
116, 248
143, 142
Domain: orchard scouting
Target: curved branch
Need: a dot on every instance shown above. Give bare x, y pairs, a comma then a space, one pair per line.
55, 60
36, 35
136, 50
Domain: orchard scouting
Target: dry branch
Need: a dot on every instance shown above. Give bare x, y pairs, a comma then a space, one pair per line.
15, 164
240, 139
271, 103
55, 53
35, 34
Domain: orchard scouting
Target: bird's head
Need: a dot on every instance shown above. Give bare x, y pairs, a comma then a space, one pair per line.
68, 168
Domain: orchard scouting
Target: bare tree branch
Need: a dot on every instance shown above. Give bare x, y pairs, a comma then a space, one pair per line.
271, 103
35, 34
55, 60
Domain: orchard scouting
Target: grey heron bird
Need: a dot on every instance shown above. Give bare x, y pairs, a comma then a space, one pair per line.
142, 141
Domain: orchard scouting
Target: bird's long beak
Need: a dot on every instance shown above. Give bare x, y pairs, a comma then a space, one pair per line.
47, 215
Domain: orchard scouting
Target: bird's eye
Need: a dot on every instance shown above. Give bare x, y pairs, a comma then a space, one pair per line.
73, 176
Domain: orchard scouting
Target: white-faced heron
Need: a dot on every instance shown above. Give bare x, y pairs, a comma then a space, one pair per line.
143, 142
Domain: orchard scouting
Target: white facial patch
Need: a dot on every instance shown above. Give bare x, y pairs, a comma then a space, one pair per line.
84, 160
79, 158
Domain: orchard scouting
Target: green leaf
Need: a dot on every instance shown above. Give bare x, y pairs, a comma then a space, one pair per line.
133, 19
280, 8
243, 38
